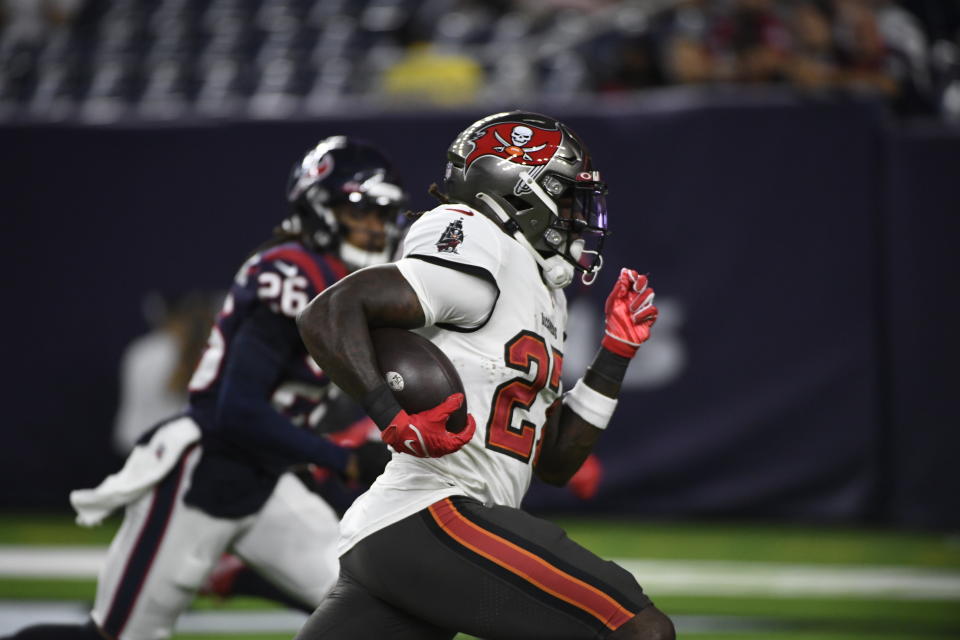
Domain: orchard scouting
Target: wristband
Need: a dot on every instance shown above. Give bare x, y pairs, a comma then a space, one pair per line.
590, 404
610, 366
381, 406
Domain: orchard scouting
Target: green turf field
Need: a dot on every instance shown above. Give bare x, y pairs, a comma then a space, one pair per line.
719, 581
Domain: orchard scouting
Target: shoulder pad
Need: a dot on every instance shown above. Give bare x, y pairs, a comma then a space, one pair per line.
456, 233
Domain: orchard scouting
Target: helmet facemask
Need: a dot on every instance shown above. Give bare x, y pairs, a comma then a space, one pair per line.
577, 223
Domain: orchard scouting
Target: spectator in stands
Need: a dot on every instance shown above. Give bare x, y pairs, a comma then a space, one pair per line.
638, 67
813, 60
862, 50
751, 43
681, 32
454, 52
908, 57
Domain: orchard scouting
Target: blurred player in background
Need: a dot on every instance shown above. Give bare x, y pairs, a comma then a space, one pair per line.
156, 367
219, 477
439, 544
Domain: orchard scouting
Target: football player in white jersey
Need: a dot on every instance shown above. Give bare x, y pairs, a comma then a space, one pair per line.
439, 545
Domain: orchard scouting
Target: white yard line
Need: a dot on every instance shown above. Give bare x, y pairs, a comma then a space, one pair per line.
15, 616
674, 577
51, 562
719, 578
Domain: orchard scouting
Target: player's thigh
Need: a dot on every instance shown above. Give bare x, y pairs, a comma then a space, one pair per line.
159, 557
293, 541
350, 612
496, 573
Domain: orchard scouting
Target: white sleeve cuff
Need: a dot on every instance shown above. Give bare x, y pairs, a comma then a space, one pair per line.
590, 404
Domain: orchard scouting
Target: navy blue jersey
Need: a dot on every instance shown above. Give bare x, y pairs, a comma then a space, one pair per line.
256, 388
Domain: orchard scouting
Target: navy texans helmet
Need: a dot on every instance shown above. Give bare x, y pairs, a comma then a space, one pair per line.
534, 175
334, 184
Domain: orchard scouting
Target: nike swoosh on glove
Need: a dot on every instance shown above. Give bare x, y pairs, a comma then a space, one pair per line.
629, 314
425, 434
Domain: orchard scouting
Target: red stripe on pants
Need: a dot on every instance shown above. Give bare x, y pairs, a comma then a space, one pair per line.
529, 566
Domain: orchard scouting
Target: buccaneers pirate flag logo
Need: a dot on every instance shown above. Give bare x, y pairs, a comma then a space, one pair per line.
520, 143
451, 238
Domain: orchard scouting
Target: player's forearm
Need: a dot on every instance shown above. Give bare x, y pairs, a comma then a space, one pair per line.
334, 330
335, 326
605, 374
568, 442
572, 434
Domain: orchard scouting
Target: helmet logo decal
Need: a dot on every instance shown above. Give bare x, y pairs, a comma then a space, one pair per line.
515, 142
312, 170
451, 238
318, 170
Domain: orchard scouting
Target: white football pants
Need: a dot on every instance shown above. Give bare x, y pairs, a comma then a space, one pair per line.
165, 549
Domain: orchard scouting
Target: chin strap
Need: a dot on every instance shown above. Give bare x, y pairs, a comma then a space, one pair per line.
557, 272
589, 277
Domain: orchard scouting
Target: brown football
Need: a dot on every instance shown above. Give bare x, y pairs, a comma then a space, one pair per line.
418, 373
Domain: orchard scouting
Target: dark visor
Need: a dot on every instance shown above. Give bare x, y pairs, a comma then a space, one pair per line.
582, 208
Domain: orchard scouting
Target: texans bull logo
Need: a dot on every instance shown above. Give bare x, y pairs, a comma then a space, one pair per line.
515, 142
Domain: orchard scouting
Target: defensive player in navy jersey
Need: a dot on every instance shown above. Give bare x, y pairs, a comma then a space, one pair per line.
218, 478
439, 544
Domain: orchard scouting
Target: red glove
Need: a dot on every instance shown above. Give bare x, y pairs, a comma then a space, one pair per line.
630, 314
425, 434
586, 481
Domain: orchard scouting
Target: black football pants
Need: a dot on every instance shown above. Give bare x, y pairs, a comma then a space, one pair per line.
493, 572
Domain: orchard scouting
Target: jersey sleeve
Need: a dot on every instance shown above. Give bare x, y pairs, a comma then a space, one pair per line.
452, 258
449, 297
244, 413
458, 238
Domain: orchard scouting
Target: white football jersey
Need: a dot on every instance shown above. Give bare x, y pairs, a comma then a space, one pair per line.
510, 367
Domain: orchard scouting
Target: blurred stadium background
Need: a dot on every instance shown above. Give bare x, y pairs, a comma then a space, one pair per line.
783, 464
